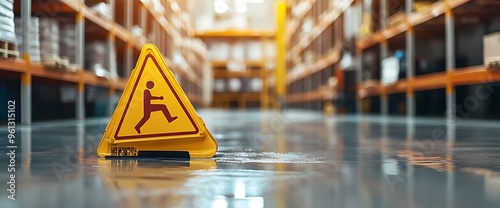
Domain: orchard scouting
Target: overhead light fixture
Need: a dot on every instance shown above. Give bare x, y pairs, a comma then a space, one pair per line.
220, 6
240, 6
175, 7
254, 1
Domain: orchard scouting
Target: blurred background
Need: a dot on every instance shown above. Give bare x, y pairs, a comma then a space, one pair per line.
71, 59
314, 103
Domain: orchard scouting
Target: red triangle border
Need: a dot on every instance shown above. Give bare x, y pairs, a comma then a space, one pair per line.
196, 131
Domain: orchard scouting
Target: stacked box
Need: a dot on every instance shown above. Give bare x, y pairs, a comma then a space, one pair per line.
255, 85
234, 85
104, 9
96, 59
237, 60
67, 41
7, 33
34, 38
491, 53
251, 85
254, 51
49, 39
219, 51
219, 85
238, 51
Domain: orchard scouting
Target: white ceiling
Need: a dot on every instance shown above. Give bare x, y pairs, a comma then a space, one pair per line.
257, 15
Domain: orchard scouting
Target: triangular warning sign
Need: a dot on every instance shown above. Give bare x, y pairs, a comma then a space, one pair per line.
154, 117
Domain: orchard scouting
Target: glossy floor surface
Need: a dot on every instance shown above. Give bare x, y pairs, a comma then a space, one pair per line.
266, 159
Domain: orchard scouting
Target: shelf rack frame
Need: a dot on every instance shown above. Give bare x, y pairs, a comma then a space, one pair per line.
448, 80
29, 69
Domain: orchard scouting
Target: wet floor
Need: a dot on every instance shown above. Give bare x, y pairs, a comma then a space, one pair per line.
266, 159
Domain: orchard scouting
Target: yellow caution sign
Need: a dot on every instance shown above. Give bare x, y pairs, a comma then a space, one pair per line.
154, 117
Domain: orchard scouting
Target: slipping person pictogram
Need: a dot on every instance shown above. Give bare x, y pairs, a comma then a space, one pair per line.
149, 107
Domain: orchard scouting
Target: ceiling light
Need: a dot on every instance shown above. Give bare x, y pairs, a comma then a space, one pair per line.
240, 6
254, 1
220, 6
175, 7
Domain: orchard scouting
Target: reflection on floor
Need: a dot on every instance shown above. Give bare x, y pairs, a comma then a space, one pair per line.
268, 159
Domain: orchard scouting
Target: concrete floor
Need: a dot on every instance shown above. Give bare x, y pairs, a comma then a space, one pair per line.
267, 159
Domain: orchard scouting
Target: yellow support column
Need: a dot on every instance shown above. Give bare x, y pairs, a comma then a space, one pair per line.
280, 53
26, 91
264, 96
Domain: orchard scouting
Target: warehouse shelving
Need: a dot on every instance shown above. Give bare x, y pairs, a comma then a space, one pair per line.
218, 74
253, 68
440, 20
307, 84
168, 37
327, 18
414, 19
408, 28
220, 70
38, 70
294, 23
328, 59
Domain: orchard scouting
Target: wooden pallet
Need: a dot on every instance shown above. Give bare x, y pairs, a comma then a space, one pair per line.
8, 50
59, 63
56, 62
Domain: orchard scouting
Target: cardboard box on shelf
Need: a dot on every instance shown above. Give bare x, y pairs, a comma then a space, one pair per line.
256, 85
103, 9
491, 51
49, 39
219, 85
34, 40
254, 50
236, 65
67, 41
7, 30
96, 59
309, 57
253, 85
219, 51
390, 70
238, 51
307, 26
234, 85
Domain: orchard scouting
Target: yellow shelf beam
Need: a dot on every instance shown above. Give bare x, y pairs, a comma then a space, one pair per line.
14, 65
314, 95
234, 34
433, 81
237, 74
248, 63
329, 59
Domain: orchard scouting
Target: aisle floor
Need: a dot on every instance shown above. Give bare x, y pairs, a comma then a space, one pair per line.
267, 159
